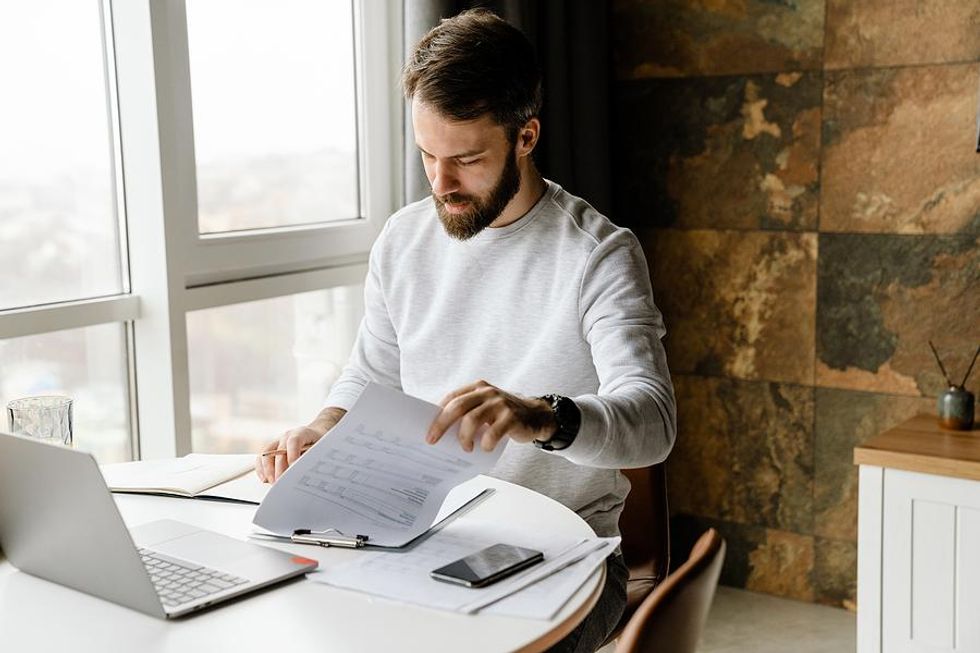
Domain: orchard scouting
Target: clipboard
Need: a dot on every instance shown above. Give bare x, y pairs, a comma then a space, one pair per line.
334, 538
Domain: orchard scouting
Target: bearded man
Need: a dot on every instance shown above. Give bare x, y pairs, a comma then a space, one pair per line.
519, 308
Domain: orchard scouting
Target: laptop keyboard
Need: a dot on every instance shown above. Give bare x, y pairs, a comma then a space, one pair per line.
179, 581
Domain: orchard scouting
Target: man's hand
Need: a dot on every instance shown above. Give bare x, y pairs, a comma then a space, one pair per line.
294, 441
483, 409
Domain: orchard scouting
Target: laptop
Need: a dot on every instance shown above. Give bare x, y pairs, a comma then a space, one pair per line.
58, 521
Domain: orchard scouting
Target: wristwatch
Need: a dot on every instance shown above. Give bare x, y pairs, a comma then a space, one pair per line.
568, 418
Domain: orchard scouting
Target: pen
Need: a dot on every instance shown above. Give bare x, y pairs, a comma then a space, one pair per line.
278, 452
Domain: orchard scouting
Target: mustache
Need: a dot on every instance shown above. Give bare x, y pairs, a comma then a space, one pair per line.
453, 198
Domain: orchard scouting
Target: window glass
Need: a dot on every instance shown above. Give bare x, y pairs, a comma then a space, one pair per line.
260, 368
59, 235
275, 134
88, 365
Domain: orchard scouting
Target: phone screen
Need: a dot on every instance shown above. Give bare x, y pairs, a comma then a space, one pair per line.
488, 565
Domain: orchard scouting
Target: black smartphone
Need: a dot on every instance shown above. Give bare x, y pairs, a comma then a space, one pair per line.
488, 565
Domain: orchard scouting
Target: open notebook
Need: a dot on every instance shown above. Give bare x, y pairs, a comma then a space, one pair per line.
229, 477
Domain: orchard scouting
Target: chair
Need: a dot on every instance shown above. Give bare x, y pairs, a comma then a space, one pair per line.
672, 617
645, 527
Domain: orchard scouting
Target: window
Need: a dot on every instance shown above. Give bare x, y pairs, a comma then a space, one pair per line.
88, 365
59, 234
260, 368
275, 133
60, 231
187, 174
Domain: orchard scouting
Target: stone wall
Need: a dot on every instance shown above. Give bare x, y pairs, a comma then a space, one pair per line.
804, 177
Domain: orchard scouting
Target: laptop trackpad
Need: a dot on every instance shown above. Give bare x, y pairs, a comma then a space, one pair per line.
154, 533
212, 550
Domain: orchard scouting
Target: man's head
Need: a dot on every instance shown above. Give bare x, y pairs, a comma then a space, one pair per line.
475, 90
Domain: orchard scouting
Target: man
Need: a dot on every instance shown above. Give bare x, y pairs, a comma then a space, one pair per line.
522, 310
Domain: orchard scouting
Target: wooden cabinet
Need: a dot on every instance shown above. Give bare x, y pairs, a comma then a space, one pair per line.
919, 540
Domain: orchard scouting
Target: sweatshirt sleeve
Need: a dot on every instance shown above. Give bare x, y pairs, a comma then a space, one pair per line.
631, 420
375, 356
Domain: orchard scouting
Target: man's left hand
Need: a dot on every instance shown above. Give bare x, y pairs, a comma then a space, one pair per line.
498, 414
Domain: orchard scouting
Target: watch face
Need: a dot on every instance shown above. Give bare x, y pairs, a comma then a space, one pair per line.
568, 418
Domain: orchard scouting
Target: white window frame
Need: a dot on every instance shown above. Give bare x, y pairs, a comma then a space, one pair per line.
173, 269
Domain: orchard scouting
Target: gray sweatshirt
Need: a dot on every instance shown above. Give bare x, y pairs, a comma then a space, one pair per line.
558, 302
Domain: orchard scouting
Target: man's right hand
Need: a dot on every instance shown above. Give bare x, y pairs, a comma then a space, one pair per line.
294, 442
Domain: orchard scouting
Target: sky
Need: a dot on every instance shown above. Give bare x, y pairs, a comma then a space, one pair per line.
266, 76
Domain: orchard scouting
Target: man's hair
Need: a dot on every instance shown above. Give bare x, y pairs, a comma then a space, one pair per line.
474, 64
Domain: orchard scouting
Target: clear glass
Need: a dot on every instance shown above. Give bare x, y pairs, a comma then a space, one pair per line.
48, 419
260, 368
89, 365
275, 133
59, 235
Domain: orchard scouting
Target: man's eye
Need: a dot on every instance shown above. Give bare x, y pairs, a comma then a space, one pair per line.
469, 162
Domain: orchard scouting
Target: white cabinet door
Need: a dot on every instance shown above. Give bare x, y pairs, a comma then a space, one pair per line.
930, 581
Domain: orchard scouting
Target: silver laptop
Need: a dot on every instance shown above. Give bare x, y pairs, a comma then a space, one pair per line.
58, 521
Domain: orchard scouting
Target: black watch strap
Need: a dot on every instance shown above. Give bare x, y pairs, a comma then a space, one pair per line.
568, 417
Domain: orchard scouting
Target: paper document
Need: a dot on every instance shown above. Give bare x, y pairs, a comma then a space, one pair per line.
538, 592
548, 599
544, 598
373, 474
194, 475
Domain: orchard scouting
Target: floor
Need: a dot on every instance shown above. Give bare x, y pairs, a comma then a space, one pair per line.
748, 622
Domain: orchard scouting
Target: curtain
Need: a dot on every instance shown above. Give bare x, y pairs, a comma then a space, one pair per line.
572, 42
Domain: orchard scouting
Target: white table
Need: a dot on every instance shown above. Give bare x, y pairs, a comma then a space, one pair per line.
302, 615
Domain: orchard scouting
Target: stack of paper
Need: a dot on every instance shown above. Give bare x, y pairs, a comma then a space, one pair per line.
538, 592
373, 474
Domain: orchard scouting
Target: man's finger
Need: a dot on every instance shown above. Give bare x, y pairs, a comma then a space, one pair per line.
294, 449
473, 422
493, 435
265, 463
280, 459
466, 389
452, 412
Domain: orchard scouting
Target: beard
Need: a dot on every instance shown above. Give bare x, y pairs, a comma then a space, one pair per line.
483, 210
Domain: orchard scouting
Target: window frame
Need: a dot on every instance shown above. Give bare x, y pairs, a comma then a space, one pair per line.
222, 257
171, 268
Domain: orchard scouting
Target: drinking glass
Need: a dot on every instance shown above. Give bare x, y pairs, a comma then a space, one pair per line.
48, 419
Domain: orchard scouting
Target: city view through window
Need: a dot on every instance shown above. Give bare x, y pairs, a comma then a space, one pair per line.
276, 144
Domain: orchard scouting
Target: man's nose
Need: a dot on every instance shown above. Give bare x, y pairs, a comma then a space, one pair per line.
443, 180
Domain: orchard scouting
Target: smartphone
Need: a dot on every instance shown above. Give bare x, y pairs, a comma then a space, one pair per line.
488, 565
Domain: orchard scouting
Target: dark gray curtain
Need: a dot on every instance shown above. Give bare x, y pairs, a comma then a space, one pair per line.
572, 41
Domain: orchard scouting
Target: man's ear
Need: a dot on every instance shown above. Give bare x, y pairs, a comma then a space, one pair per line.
527, 137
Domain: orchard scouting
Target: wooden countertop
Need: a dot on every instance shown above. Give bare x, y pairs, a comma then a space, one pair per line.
920, 445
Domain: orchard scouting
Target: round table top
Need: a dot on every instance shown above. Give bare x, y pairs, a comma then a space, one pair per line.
299, 615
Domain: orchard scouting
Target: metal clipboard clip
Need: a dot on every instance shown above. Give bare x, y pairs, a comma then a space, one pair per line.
329, 537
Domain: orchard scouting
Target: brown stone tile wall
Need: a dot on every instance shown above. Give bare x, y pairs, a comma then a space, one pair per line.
900, 32
746, 310
899, 150
804, 179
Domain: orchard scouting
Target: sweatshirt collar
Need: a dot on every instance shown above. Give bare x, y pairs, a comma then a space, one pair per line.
496, 233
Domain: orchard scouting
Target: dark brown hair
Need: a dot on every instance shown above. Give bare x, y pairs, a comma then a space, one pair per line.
474, 64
